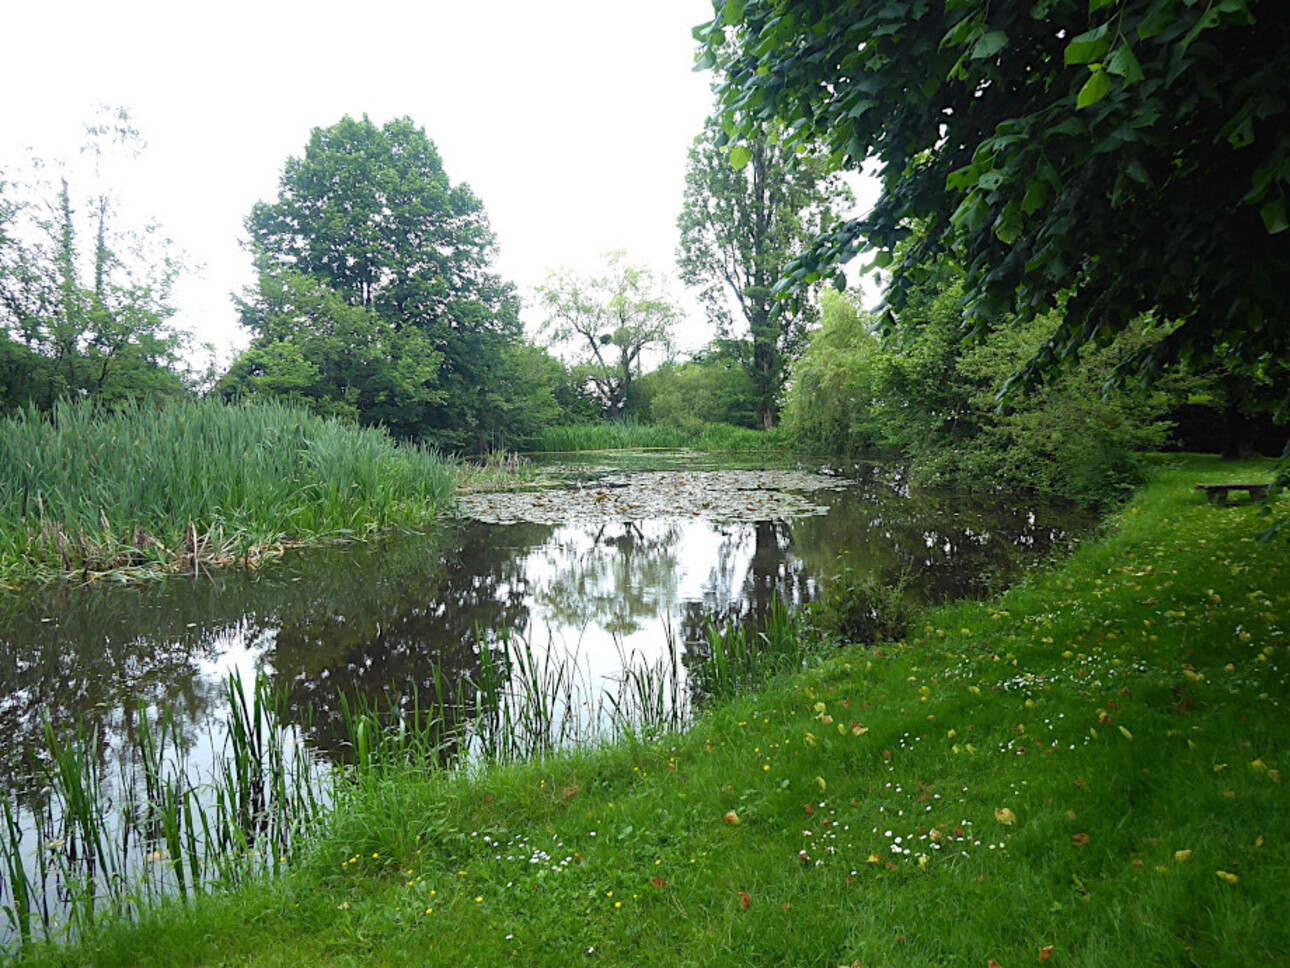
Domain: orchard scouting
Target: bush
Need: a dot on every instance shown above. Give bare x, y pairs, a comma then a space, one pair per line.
929, 393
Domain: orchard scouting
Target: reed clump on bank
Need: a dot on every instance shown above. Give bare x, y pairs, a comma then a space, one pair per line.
626, 434
142, 491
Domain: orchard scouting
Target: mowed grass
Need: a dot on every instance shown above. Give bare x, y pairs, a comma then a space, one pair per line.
1088, 770
144, 491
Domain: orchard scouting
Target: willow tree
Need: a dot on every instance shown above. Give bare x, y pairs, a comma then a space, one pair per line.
745, 217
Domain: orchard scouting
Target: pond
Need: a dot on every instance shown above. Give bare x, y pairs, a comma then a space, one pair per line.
607, 582
627, 561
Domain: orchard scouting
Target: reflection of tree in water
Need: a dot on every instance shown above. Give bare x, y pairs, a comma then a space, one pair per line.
945, 545
739, 595
613, 575
344, 617
400, 621
88, 658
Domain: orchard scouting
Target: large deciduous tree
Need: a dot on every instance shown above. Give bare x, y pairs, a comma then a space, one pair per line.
421, 333
608, 322
1108, 157
741, 223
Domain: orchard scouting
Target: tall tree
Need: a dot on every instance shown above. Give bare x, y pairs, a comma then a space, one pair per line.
79, 320
745, 216
1111, 157
608, 321
369, 213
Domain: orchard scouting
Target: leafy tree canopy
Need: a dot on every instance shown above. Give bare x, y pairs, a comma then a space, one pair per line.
419, 332
1111, 157
740, 225
608, 321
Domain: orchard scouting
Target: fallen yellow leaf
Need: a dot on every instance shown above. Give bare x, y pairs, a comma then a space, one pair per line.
1225, 876
1005, 816
1182, 856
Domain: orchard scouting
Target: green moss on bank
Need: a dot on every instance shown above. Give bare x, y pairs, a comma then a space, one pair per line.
1091, 767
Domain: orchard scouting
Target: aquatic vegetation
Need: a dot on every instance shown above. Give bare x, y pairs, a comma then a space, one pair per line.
620, 435
141, 492
711, 495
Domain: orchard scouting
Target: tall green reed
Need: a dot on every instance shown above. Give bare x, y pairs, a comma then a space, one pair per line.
627, 434
152, 490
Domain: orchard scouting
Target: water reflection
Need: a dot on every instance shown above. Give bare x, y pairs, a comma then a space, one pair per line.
380, 619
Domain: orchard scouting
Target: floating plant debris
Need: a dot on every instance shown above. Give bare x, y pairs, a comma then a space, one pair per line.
720, 496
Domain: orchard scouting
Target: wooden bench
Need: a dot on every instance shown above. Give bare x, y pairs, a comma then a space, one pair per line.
1217, 493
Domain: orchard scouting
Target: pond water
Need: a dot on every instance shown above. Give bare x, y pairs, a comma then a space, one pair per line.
602, 580
610, 568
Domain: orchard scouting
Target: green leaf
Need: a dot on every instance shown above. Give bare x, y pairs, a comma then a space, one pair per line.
971, 213
840, 281
732, 12
1136, 170
989, 45
1095, 5
1095, 88
1008, 225
1124, 63
739, 157
991, 180
1036, 196
959, 33
1274, 216
1242, 134
882, 259
1088, 46
962, 178
1156, 21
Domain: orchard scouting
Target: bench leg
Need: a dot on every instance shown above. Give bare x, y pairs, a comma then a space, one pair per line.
1217, 497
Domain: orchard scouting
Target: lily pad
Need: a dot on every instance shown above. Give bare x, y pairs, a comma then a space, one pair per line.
720, 496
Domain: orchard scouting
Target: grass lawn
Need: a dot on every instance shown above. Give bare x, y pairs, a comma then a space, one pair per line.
1089, 770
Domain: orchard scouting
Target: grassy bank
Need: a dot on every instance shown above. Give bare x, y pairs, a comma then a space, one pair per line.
1085, 771
145, 491
570, 438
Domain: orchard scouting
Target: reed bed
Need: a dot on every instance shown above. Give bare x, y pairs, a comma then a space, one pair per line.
141, 491
625, 435
98, 846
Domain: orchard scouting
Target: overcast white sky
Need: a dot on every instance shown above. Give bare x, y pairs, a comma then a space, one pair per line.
570, 119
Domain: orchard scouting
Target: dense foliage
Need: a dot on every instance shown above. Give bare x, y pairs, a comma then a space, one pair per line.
83, 319
712, 388
924, 394
741, 224
376, 296
1118, 157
